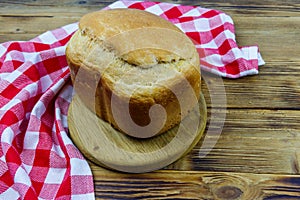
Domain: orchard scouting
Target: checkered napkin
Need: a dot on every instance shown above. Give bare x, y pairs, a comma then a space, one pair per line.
37, 158
212, 32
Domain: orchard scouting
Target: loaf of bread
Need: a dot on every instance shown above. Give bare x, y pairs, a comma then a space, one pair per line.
134, 70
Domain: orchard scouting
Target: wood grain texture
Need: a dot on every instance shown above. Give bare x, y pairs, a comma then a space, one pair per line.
252, 141
206, 185
276, 32
274, 91
242, 4
257, 156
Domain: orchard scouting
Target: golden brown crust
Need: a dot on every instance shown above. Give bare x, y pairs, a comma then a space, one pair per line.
151, 80
108, 23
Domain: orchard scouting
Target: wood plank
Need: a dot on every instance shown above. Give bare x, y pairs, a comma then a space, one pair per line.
250, 29
242, 4
234, 9
252, 141
33, 24
272, 91
54, 3
194, 185
282, 93
258, 141
17, 37
257, 138
277, 37
289, 68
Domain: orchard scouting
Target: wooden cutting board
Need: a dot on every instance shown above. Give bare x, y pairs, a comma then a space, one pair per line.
108, 147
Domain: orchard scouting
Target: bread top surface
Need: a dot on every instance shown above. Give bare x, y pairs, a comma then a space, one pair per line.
134, 51
107, 23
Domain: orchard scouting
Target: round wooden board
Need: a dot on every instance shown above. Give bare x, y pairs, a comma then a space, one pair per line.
108, 147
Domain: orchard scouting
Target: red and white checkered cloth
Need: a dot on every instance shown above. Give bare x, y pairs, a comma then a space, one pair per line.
37, 158
212, 32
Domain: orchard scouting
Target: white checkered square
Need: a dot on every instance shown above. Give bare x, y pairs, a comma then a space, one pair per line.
155, 10
192, 13
61, 117
32, 56
2, 50
234, 53
70, 28
39, 109
3, 76
67, 141
46, 82
227, 34
16, 56
31, 140
10, 193
250, 53
9, 57
7, 135
55, 175
249, 72
79, 167
202, 25
118, 4
225, 18
89, 196
32, 90
214, 60
60, 51
47, 38
21, 176
27, 168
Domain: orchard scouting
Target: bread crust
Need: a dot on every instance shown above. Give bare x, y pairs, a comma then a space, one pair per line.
97, 84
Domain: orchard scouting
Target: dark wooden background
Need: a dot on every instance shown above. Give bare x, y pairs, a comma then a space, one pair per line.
258, 153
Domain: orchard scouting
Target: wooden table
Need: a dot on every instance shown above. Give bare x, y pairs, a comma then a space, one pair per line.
258, 153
